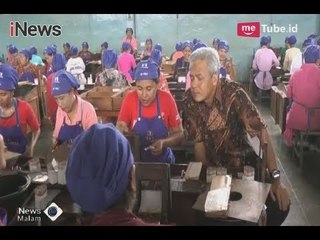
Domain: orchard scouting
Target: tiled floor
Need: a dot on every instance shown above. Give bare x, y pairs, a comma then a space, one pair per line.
304, 188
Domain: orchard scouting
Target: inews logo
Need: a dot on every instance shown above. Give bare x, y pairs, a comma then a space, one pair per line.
253, 29
32, 30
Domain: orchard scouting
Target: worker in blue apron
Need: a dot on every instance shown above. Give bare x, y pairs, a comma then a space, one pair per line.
69, 105
227, 70
15, 115
153, 130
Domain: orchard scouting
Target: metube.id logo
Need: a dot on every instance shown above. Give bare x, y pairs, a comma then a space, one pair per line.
25, 29
248, 29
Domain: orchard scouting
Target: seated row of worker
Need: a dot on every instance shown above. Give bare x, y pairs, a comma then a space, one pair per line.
220, 118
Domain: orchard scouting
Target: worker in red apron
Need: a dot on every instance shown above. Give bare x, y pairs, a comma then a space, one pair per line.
74, 115
15, 116
152, 114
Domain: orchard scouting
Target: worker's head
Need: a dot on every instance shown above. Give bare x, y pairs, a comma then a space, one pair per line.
147, 78
64, 86
100, 170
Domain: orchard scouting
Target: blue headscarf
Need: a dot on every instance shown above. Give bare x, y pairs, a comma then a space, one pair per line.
98, 168
224, 44
58, 62
195, 41
26, 53
158, 46
292, 39
264, 40
147, 70
50, 50
12, 49
126, 46
179, 46
63, 82
33, 50
187, 44
269, 38
156, 56
110, 58
8, 77
199, 45
74, 51
311, 54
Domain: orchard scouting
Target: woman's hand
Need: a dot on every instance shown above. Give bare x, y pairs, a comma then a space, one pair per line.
157, 147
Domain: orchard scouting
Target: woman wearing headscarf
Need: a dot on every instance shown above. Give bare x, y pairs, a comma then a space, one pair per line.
146, 53
13, 55
101, 177
126, 62
156, 56
178, 53
26, 70
67, 50
49, 53
35, 59
263, 61
109, 59
129, 38
304, 92
182, 64
85, 54
76, 66
16, 115
74, 115
152, 114
58, 63
291, 52
227, 70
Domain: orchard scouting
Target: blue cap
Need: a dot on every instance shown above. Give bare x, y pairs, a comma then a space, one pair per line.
264, 40
158, 46
187, 44
292, 39
312, 54
98, 168
156, 56
49, 50
110, 58
179, 46
66, 44
223, 45
105, 45
12, 49
26, 53
269, 38
199, 45
8, 77
63, 82
147, 70
126, 46
85, 45
58, 62
74, 51
33, 50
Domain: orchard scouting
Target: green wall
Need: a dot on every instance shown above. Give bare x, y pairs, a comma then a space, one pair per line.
166, 29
